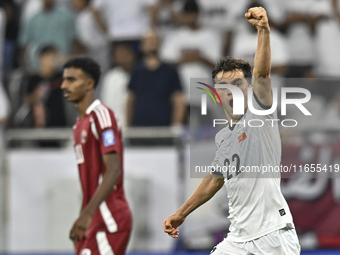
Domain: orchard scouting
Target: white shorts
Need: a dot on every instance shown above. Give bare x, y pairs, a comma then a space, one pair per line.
280, 242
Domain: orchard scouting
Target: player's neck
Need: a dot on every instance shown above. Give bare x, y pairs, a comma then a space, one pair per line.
231, 120
84, 104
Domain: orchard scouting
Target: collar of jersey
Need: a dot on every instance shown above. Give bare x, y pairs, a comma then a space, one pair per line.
232, 128
94, 104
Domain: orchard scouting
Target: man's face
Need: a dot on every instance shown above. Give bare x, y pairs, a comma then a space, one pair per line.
237, 79
150, 43
76, 84
49, 59
48, 4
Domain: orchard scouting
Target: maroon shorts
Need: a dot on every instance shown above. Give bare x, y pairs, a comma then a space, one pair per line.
104, 243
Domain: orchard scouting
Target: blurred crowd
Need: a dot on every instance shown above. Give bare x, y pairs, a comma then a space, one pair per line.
148, 51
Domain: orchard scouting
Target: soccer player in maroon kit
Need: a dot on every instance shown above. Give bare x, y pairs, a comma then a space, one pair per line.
104, 224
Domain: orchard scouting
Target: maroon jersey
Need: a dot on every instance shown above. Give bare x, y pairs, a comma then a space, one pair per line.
98, 133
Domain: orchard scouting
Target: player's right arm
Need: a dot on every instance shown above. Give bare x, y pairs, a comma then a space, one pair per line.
204, 192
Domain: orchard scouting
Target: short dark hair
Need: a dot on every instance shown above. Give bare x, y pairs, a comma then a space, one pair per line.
87, 65
47, 49
190, 6
227, 64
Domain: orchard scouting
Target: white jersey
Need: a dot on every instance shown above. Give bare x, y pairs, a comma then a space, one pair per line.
256, 204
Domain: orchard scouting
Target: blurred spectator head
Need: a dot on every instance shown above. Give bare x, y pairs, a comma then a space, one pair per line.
48, 58
80, 4
123, 55
150, 43
190, 13
48, 4
88, 66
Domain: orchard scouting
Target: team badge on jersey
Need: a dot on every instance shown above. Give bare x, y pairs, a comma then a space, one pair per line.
108, 138
83, 136
241, 133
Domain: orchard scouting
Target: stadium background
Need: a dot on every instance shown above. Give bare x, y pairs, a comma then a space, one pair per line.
39, 188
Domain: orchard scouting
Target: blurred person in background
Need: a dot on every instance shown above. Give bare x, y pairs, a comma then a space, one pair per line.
90, 34
44, 95
104, 223
331, 116
123, 21
31, 7
302, 17
113, 91
155, 96
50, 26
164, 16
194, 49
4, 109
11, 32
222, 16
328, 39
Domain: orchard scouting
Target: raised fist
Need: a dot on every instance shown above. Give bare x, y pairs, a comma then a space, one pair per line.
257, 16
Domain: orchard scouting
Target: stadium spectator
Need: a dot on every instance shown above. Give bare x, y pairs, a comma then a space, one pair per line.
4, 107
90, 35
328, 40
155, 95
223, 17
125, 20
331, 116
193, 48
113, 92
31, 7
44, 95
164, 17
301, 20
51, 26
2, 38
11, 32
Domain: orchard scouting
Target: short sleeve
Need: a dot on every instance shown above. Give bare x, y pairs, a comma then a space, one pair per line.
175, 81
107, 130
133, 82
170, 50
26, 32
4, 103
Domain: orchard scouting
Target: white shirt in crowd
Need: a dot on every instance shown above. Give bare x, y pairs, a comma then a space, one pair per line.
93, 38
245, 45
126, 20
32, 7
207, 42
4, 104
300, 40
222, 15
113, 92
327, 42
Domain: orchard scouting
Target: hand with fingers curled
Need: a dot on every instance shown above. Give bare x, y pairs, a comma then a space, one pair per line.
79, 228
171, 223
257, 16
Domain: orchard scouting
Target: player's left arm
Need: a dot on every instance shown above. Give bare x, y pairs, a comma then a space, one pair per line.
262, 63
110, 178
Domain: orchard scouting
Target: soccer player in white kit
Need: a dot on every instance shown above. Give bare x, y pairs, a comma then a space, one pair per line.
261, 222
